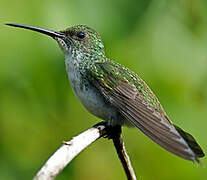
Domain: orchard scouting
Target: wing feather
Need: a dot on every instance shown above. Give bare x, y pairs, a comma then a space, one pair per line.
159, 129
124, 89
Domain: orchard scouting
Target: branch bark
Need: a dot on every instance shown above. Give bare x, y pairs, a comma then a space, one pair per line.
123, 156
68, 150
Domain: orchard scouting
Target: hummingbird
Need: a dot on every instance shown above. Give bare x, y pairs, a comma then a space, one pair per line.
114, 93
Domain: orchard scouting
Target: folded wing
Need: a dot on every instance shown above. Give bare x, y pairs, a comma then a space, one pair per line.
124, 89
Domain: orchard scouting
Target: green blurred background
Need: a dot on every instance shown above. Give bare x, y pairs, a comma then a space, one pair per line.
165, 42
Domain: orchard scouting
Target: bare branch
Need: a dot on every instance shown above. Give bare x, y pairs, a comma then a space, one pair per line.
123, 156
57, 162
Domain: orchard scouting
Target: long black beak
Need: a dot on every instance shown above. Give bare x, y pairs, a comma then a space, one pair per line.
38, 29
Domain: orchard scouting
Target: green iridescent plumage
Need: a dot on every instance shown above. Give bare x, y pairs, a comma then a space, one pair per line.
92, 42
110, 74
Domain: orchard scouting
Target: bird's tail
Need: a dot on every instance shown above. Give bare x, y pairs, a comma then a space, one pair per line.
191, 142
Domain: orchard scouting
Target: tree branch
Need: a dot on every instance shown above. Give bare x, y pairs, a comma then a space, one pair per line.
123, 156
57, 162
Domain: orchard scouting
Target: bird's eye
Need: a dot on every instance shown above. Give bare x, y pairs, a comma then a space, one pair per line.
81, 35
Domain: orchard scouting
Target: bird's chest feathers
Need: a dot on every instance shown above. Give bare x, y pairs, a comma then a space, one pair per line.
77, 79
86, 93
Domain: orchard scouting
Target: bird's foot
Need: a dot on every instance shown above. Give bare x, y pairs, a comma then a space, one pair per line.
110, 131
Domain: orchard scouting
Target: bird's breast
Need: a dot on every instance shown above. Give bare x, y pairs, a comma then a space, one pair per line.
87, 94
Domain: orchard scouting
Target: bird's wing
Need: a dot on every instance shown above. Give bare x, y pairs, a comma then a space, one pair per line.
136, 102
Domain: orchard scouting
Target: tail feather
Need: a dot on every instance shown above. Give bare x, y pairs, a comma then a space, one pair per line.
191, 142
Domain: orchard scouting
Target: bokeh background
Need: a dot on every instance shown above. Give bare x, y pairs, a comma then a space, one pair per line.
165, 42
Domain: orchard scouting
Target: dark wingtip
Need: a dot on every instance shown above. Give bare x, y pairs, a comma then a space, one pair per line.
191, 143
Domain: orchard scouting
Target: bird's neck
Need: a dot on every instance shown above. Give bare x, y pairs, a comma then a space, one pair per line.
77, 66
79, 61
